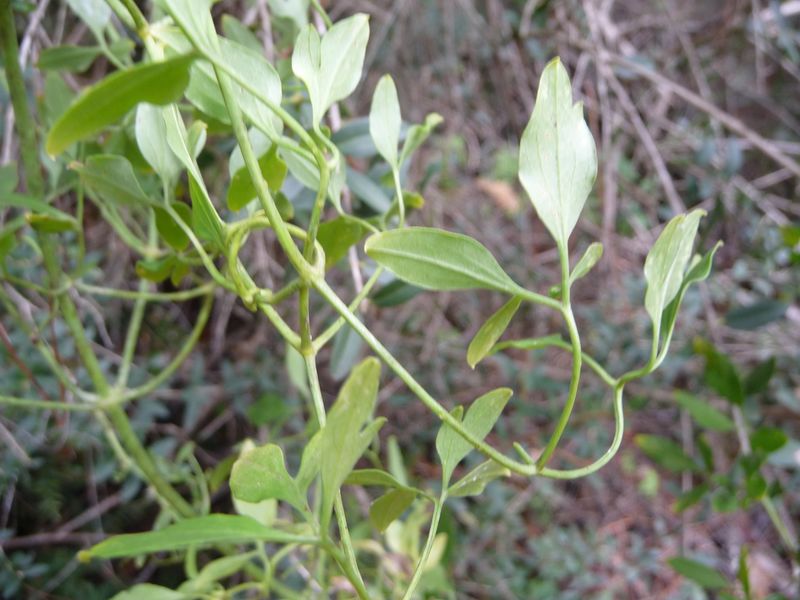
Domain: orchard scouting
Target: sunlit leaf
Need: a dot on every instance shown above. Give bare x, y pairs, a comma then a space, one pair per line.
151, 137
474, 482
557, 160
260, 474
490, 332
385, 120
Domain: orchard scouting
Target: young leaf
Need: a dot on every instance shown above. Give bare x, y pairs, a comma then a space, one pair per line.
390, 507
665, 452
209, 530
106, 102
417, 134
438, 260
365, 477
490, 332
385, 120
343, 440
151, 137
557, 160
260, 474
331, 66
337, 236
587, 262
703, 413
474, 482
479, 420
704, 576
111, 178
666, 262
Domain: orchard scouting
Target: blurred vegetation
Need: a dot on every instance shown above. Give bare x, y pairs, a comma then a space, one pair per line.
692, 104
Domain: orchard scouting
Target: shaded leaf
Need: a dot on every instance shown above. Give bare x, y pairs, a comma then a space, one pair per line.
242, 190
720, 373
704, 576
703, 413
111, 179
490, 332
665, 453
366, 477
768, 439
691, 497
390, 507
756, 315
168, 228
757, 380
474, 482
337, 237
73, 59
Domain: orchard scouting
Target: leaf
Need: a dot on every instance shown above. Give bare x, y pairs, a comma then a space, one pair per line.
587, 262
337, 237
347, 346
214, 571
479, 420
665, 452
149, 591
390, 507
194, 18
690, 498
758, 314
342, 439
417, 134
260, 474
394, 293
743, 573
331, 66
490, 332
438, 260
757, 380
768, 439
367, 477
720, 373
170, 231
474, 482
704, 576
242, 190
557, 160
703, 413
238, 32
95, 13
530, 343
368, 191
209, 530
111, 179
385, 120
151, 137
73, 59
666, 262
295, 11
106, 102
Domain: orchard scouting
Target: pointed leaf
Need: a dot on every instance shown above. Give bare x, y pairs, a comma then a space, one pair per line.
169, 229
390, 507
665, 452
200, 531
587, 262
757, 380
385, 120
474, 482
704, 576
151, 137
667, 261
366, 477
438, 260
417, 134
260, 474
720, 373
74, 59
479, 420
106, 102
111, 179
703, 413
768, 439
490, 332
558, 160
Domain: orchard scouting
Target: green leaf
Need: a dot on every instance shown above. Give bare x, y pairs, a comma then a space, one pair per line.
690, 498
260, 474
703, 413
438, 260
73, 59
394, 293
743, 573
151, 137
199, 531
194, 18
768, 439
218, 569
155, 269
587, 262
149, 591
242, 191
295, 11
417, 134
342, 439
720, 373
170, 231
724, 501
666, 262
530, 343
490, 332
338, 236
37, 209
95, 13
557, 159
758, 314
479, 420
665, 452
390, 507
385, 120
474, 482
376, 477
106, 102
347, 346
111, 178
757, 380
238, 32
331, 66
704, 576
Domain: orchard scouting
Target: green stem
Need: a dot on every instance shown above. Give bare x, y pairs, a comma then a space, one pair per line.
25, 125
46, 404
790, 543
180, 296
426, 552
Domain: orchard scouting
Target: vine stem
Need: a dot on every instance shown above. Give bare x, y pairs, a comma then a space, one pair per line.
426, 551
